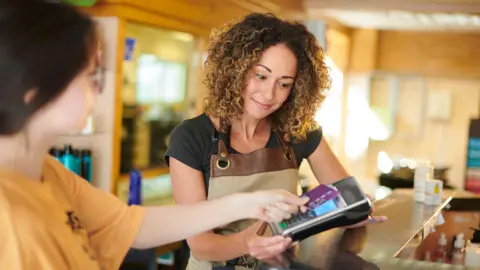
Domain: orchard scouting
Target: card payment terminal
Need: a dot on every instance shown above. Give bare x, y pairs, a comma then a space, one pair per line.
342, 203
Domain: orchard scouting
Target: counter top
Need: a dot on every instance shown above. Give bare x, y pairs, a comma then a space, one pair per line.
376, 246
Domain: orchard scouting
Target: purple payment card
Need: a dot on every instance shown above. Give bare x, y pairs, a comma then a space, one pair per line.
320, 195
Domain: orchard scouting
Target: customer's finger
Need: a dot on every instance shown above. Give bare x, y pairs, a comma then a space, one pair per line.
287, 207
295, 200
285, 196
276, 214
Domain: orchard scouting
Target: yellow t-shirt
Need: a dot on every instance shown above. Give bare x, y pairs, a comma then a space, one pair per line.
62, 222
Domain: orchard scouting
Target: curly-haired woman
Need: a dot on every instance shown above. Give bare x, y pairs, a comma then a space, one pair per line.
266, 79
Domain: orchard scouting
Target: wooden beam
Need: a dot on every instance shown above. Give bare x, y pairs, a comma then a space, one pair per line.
146, 17
207, 13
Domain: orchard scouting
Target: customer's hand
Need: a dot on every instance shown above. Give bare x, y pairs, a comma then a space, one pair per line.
370, 219
264, 247
272, 205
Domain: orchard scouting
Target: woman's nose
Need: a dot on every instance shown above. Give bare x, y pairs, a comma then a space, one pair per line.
269, 91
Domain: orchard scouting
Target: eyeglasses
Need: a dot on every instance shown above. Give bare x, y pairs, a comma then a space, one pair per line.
98, 79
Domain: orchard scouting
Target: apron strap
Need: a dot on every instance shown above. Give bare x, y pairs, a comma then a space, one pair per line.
287, 149
219, 144
223, 143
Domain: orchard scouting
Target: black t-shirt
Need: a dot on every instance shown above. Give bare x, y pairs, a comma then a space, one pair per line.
192, 143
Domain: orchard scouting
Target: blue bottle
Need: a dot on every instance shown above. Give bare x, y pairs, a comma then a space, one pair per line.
78, 161
135, 188
56, 153
86, 165
68, 158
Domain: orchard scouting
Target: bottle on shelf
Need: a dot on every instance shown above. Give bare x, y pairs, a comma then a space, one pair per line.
458, 252
56, 153
135, 188
86, 164
423, 172
79, 161
441, 251
472, 250
428, 256
68, 159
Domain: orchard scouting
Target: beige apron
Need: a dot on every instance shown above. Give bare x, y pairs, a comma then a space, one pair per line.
263, 169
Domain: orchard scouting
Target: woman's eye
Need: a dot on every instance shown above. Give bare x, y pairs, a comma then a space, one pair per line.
260, 76
285, 85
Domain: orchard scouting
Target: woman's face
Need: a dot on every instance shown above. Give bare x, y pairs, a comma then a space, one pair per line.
70, 111
270, 81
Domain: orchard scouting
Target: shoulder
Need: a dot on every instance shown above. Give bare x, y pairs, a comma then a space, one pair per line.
51, 164
304, 148
198, 127
56, 172
65, 183
191, 141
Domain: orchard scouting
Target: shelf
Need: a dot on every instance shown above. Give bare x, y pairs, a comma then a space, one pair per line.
82, 135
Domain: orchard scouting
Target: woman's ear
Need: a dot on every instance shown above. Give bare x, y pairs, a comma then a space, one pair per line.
30, 96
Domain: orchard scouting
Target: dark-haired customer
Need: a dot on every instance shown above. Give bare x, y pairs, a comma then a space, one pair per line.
49, 217
266, 79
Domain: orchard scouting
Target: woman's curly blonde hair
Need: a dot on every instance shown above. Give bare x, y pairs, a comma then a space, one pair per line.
236, 47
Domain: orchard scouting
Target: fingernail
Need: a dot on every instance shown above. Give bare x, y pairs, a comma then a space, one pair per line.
305, 199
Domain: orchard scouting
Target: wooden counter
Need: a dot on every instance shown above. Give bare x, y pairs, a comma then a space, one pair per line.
375, 246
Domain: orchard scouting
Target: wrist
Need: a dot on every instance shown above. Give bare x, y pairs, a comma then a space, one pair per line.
240, 240
238, 207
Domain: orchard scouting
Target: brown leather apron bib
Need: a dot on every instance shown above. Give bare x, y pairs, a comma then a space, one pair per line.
263, 169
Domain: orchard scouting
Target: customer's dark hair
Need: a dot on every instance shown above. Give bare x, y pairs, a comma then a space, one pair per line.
44, 45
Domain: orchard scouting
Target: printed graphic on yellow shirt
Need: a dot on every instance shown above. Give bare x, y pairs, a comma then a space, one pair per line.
74, 223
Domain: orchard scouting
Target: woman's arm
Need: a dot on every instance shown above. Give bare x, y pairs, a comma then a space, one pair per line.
325, 165
113, 227
166, 224
188, 187
327, 169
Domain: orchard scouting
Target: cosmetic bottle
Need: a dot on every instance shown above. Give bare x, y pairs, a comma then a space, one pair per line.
86, 164
135, 188
68, 158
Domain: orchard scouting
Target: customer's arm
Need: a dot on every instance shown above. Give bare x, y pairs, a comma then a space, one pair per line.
113, 227
206, 246
166, 224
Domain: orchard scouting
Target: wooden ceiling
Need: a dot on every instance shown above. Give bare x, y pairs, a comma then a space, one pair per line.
448, 6
196, 16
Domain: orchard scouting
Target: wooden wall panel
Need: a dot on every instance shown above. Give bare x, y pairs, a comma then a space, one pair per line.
430, 53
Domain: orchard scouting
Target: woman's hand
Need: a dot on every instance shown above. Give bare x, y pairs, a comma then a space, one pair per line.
264, 247
370, 219
272, 205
